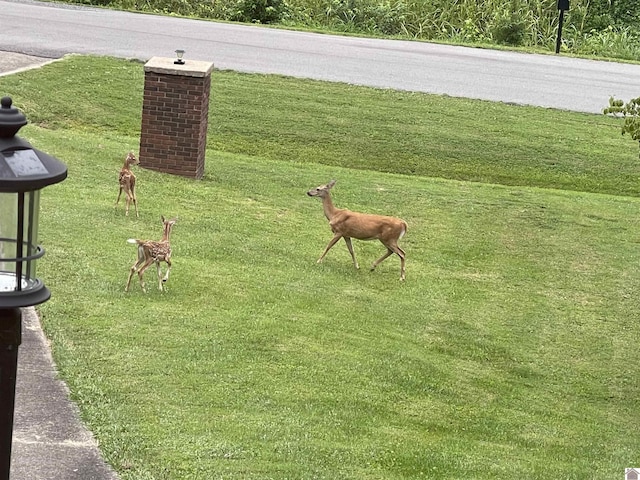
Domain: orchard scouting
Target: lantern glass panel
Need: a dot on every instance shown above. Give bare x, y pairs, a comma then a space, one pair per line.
18, 241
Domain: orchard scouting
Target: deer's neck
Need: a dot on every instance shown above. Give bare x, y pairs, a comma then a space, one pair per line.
166, 234
329, 209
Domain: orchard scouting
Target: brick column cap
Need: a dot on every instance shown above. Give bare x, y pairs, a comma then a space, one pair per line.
190, 68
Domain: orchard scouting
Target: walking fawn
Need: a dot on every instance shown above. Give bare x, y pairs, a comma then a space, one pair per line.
127, 181
150, 251
363, 226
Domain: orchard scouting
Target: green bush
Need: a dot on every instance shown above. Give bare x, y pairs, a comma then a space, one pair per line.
260, 11
612, 42
386, 17
631, 113
509, 28
603, 13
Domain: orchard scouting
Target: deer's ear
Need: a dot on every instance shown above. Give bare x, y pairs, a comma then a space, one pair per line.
162, 218
331, 184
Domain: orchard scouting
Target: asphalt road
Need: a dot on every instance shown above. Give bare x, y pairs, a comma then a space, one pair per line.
53, 30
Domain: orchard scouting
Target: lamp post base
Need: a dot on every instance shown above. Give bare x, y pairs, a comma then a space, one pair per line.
10, 339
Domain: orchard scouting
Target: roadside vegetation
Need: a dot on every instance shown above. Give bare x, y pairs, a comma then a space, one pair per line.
630, 112
507, 353
601, 28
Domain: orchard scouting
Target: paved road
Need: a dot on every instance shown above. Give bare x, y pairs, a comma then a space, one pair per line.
52, 30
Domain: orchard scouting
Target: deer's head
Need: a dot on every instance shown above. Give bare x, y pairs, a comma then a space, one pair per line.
321, 191
131, 159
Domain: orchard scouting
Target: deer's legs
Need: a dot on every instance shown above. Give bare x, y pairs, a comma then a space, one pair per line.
141, 271
130, 197
135, 200
166, 275
391, 249
402, 269
133, 270
127, 193
162, 279
140, 266
119, 194
159, 270
333, 241
347, 240
387, 254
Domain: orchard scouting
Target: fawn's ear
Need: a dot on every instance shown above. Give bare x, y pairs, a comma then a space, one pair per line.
331, 184
162, 218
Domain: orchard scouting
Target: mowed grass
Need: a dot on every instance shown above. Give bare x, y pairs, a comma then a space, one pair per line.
510, 350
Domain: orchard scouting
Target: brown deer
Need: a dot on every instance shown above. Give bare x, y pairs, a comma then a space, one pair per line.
362, 226
127, 181
150, 251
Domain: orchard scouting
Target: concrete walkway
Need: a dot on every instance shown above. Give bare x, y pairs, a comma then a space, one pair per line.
49, 440
11, 63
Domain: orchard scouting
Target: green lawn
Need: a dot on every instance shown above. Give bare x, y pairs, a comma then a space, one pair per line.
509, 352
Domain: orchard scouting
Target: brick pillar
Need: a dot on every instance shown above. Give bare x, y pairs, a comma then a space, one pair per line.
175, 113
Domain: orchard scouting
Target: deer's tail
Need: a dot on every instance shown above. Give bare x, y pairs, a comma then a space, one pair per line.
405, 227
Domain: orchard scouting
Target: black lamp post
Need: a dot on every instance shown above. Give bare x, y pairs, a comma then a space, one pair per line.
24, 171
562, 6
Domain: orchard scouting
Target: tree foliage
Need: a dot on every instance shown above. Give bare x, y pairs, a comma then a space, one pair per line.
631, 113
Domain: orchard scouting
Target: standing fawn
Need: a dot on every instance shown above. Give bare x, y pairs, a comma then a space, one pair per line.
127, 181
363, 226
150, 251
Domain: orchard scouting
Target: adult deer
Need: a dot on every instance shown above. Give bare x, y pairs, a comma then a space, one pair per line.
150, 251
362, 226
127, 181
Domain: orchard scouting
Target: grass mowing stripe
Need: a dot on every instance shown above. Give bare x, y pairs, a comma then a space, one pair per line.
305, 121
505, 352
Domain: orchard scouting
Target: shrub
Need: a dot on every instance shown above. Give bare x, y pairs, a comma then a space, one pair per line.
260, 11
631, 113
612, 42
388, 17
509, 27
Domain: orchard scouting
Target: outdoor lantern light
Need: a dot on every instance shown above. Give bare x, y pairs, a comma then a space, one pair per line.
179, 54
23, 172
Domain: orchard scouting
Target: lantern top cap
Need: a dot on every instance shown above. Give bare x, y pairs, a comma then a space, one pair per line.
22, 167
11, 119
